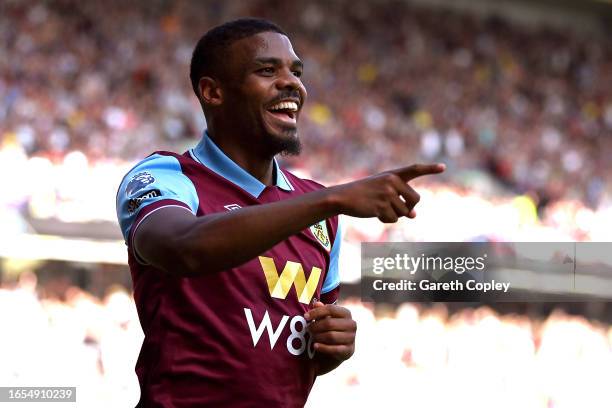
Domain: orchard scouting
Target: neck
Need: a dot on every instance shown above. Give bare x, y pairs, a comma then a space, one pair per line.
252, 161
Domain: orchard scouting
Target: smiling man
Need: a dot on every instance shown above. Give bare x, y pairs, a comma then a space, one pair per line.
234, 260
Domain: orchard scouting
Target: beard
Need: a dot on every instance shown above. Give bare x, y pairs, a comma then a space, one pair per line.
289, 145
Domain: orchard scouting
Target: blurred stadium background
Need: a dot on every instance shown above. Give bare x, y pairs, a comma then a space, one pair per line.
515, 96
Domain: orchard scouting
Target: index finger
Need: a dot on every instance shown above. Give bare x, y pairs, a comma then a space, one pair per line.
416, 170
325, 311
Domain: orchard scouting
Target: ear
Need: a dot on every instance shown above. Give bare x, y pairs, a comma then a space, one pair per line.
210, 91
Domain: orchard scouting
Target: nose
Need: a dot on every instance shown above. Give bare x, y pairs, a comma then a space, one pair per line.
288, 80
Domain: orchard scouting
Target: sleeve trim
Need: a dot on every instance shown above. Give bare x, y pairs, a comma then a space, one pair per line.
332, 278
331, 297
330, 289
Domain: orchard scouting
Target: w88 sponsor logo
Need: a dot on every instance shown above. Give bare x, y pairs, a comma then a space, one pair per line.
299, 339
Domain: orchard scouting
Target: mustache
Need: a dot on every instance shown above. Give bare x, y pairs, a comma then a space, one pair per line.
287, 95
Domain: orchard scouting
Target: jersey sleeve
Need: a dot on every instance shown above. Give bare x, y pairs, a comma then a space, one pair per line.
154, 183
331, 285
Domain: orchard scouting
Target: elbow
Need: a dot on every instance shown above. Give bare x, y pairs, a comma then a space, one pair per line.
173, 256
184, 262
190, 264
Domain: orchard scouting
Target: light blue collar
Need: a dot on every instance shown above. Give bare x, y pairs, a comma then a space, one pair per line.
209, 154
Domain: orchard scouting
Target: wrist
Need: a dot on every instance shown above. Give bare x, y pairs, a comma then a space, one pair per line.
326, 363
332, 201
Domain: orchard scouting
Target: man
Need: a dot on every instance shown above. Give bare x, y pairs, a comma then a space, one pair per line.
231, 256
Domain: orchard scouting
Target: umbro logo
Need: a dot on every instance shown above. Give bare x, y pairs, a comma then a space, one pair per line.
231, 207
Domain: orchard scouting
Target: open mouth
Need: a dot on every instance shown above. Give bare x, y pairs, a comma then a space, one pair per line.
285, 112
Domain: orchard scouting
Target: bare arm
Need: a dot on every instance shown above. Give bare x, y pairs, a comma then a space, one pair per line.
176, 240
179, 242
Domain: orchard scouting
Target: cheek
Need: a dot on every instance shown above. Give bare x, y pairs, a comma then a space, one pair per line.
245, 105
254, 102
257, 87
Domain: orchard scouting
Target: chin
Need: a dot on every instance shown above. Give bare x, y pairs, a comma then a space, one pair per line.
281, 139
286, 143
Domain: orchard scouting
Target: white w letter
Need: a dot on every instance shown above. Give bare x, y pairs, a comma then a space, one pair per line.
265, 324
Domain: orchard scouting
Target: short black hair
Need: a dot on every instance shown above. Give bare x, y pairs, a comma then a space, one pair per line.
208, 54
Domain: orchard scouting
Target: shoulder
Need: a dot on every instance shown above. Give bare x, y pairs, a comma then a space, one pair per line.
159, 160
158, 180
303, 184
158, 167
156, 160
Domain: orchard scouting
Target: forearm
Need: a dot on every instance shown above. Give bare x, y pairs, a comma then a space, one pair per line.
181, 242
218, 242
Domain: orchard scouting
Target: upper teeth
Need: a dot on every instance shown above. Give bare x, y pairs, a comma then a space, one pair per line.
292, 106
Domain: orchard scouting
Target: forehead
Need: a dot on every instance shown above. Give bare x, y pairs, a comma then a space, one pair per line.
262, 45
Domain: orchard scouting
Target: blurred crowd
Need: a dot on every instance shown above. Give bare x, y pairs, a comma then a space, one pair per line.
521, 115
76, 189
64, 336
425, 357
411, 356
529, 106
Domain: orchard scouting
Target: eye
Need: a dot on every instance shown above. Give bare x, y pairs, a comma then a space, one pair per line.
297, 73
266, 70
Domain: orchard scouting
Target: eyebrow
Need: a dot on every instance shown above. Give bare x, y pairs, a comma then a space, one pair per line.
277, 61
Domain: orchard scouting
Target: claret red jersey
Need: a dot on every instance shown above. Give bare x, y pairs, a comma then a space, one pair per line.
235, 338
